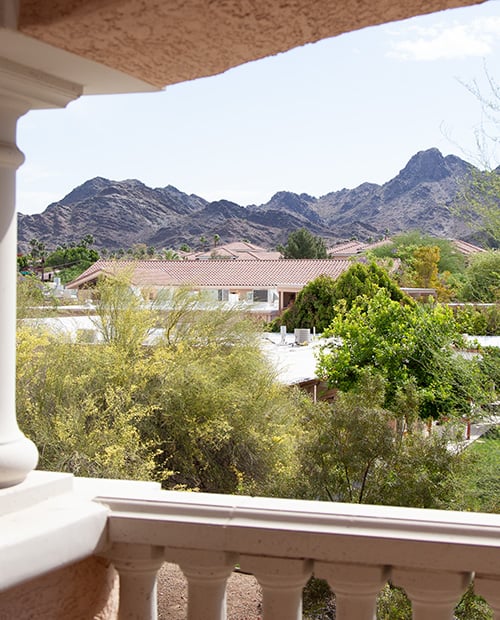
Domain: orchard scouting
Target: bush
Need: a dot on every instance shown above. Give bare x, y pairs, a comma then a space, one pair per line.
199, 408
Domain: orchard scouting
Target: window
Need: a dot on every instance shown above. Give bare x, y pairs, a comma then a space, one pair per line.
260, 294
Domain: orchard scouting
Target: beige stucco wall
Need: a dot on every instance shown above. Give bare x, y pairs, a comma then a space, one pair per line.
167, 41
87, 590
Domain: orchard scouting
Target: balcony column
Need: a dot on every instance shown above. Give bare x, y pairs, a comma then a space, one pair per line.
356, 588
207, 573
488, 586
18, 455
433, 594
137, 567
21, 89
282, 581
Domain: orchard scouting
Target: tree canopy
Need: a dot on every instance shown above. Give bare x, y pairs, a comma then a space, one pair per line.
482, 278
351, 452
318, 302
303, 244
408, 345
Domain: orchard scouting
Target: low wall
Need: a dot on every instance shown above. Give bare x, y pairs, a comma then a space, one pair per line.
87, 590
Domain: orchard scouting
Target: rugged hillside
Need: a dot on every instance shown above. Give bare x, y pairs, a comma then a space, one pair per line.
121, 213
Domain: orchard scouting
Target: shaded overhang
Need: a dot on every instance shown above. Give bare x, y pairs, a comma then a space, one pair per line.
108, 46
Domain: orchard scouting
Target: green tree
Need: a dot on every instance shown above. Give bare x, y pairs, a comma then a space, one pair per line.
365, 280
479, 201
122, 318
404, 245
426, 259
317, 303
38, 254
482, 278
303, 244
29, 296
404, 344
170, 255
72, 260
80, 403
351, 451
139, 250
23, 263
314, 306
478, 320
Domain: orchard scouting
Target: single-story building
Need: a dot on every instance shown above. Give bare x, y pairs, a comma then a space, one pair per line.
266, 286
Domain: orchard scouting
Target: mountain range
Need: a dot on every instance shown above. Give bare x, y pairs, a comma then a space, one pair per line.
120, 214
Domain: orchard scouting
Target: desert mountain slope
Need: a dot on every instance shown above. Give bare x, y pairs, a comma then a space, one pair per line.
121, 213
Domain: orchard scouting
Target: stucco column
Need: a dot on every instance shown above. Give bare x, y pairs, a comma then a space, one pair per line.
18, 455
21, 89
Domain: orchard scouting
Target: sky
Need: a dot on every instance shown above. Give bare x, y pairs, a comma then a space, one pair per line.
316, 119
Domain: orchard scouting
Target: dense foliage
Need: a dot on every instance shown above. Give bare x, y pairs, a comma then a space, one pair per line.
478, 320
318, 302
69, 260
410, 347
355, 451
481, 483
303, 244
482, 278
199, 409
404, 245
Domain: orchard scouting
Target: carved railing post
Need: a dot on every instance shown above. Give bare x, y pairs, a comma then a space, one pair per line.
137, 567
282, 581
356, 587
488, 586
207, 573
433, 594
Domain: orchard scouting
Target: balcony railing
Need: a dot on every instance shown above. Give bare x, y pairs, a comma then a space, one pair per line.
52, 520
432, 554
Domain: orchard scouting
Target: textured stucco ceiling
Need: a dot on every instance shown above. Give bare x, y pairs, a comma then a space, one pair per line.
167, 41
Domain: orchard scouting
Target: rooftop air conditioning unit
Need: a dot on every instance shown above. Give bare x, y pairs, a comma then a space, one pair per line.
302, 335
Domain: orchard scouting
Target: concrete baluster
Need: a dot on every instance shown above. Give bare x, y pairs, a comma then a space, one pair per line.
137, 566
433, 594
207, 573
488, 586
282, 581
356, 588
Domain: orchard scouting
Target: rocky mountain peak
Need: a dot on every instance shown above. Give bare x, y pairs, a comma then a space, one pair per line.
425, 166
90, 188
121, 213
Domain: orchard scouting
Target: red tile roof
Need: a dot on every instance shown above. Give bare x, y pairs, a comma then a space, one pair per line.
237, 250
466, 248
218, 273
350, 248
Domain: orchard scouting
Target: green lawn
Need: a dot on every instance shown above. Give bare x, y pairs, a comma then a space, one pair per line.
481, 492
